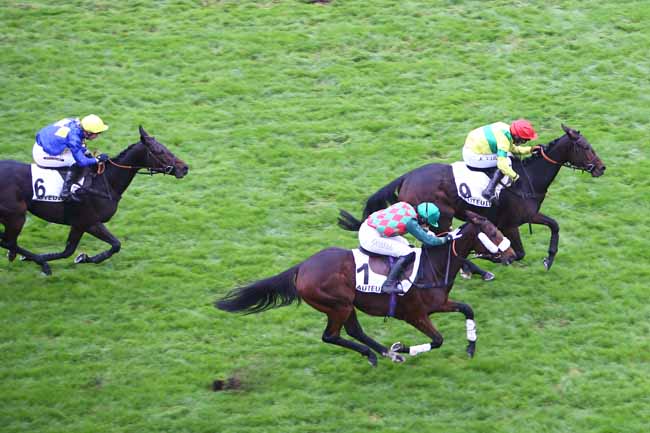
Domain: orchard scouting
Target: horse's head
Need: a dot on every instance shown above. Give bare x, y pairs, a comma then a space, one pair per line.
577, 152
487, 240
159, 159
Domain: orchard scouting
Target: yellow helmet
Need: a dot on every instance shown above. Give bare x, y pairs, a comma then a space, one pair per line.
92, 123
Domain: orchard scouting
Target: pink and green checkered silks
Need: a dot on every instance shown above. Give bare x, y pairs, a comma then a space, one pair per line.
392, 220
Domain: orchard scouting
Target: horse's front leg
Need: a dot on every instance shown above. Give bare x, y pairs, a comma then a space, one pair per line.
423, 323
542, 219
470, 326
100, 231
353, 328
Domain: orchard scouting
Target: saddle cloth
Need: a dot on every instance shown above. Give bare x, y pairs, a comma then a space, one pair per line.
371, 271
48, 182
470, 184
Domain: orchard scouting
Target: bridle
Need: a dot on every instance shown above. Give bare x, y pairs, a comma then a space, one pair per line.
164, 169
588, 168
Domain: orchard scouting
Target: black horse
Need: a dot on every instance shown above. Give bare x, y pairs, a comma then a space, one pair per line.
517, 205
98, 202
326, 281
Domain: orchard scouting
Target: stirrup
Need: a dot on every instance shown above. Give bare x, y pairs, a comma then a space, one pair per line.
390, 289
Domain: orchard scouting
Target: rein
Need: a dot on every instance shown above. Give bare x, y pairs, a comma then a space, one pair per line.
451, 251
588, 169
151, 170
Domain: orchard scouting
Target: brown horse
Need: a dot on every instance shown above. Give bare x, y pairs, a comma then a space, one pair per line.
517, 205
98, 205
326, 281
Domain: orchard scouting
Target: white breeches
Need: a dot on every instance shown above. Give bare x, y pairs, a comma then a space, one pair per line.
44, 159
371, 240
477, 160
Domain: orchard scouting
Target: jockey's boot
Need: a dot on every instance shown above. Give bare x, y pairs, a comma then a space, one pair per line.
489, 192
392, 280
68, 179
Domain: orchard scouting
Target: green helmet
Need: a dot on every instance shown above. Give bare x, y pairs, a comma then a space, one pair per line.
429, 212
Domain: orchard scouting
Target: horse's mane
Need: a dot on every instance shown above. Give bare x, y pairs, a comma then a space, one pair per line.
125, 151
527, 161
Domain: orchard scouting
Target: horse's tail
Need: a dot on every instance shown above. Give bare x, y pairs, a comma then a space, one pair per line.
273, 292
384, 197
348, 222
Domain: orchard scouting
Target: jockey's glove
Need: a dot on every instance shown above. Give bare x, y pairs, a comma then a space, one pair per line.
102, 158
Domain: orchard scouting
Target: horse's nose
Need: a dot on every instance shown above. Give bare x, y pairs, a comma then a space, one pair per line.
182, 171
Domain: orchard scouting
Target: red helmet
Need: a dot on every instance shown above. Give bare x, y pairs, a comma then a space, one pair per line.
522, 128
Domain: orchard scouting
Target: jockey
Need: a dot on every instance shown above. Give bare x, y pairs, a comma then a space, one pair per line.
62, 144
491, 146
382, 233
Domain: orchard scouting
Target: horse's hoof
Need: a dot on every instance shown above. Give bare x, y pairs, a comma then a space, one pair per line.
11, 255
81, 258
548, 263
471, 349
465, 275
24, 259
372, 359
488, 276
45, 269
396, 347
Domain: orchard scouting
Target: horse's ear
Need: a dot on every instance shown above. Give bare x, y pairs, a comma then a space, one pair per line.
143, 133
572, 133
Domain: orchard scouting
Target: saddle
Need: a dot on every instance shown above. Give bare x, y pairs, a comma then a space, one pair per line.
372, 269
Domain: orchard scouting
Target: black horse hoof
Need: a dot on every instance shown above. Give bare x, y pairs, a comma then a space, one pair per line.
81, 258
548, 263
488, 276
471, 349
372, 359
45, 269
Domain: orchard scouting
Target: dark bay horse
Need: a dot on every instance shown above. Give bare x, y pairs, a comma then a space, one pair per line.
98, 204
517, 205
326, 281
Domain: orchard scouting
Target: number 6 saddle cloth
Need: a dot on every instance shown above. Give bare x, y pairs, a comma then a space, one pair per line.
371, 271
48, 182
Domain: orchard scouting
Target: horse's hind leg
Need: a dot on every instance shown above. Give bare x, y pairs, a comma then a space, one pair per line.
9, 240
100, 231
332, 335
353, 328
71, 244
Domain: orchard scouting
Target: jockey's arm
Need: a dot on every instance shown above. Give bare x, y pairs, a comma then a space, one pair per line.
420, 234
521, 150
503, 164
79, 152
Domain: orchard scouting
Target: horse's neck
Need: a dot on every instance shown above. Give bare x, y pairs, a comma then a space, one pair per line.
119, 178
540, 173
440, 263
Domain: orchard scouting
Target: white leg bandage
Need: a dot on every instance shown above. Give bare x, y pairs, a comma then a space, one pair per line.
470, 325
421, 348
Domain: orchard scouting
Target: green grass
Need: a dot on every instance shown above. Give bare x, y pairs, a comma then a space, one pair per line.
285, 113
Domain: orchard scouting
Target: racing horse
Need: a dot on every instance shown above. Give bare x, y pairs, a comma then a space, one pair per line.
326, 281
98, 202
517, 205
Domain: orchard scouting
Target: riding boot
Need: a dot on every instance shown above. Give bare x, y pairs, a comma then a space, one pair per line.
392, 280
489, 192
68, 179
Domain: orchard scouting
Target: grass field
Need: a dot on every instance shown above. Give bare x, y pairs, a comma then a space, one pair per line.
286, 112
